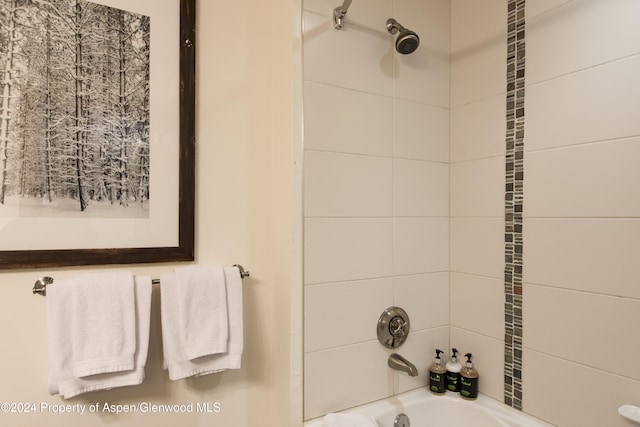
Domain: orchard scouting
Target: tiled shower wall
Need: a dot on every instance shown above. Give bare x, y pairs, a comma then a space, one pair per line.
376, 196
376, 153
581, 226
582, 211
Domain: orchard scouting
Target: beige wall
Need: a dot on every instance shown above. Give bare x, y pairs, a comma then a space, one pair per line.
244, 215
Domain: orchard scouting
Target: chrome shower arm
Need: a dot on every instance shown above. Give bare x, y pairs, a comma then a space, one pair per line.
339, 13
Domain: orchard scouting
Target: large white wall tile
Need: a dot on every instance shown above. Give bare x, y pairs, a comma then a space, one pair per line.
477, 246
488, 359
339, 249
419, 349
425, 298
353, 57
594, 32
559, 391
347, 185
420, 245
477, 188
347, 121
424, 74
597, 104
420, 188
420, 131
565, 323
594, 255
325, 372
477, 304
592, 180
537, 7
478, 49
478, 129
354, 308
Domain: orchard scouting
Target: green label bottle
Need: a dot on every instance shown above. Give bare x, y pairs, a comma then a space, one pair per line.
453, 372
469, 380
437, 375
453, 381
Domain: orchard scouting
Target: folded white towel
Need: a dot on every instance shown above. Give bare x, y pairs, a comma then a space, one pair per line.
59, 333
202, 310
175, 358
62, 379
349, 420
103, 319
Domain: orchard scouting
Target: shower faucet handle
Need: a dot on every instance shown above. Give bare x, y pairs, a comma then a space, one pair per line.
396, 327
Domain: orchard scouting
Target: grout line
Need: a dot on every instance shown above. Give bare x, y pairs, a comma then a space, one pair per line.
581, 144
487, 157
378, 156
387, 217
581, 291
367, 279
582, 365
391, 97
584, 69
480, 334
372, 341
581, 218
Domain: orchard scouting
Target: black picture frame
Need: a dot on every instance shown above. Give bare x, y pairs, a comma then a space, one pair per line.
184, 251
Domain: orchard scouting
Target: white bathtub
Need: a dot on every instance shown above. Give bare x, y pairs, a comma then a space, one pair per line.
427, 410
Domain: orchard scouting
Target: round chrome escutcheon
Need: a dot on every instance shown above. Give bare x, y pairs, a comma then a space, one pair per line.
402, 420
393, 327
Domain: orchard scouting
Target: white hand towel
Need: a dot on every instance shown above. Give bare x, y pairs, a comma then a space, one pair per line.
175, 358
349, 420
104, 334
59, 335
62, 379
202, 310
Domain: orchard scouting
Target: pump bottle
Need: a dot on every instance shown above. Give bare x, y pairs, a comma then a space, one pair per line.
453, 372
437, 375
469, 380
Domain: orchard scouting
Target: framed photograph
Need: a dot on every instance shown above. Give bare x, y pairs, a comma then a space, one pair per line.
97, 132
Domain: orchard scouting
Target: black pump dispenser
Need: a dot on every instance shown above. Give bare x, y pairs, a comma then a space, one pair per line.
469, 379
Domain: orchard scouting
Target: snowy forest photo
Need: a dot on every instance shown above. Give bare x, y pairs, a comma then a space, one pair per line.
74, 109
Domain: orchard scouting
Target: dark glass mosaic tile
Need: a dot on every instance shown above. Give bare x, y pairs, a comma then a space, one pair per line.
514, 201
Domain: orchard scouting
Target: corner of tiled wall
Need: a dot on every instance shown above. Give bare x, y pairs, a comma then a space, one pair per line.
478, 85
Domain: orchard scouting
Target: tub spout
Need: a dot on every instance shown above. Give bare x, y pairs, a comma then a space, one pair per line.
401, 364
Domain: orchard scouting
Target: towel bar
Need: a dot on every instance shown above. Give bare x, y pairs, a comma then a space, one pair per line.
40, 287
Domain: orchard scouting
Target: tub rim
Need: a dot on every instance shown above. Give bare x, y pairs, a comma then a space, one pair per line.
506, 414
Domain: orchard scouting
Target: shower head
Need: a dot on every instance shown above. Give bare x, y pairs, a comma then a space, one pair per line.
407, 40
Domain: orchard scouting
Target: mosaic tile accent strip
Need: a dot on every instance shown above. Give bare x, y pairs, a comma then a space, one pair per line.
514, 203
